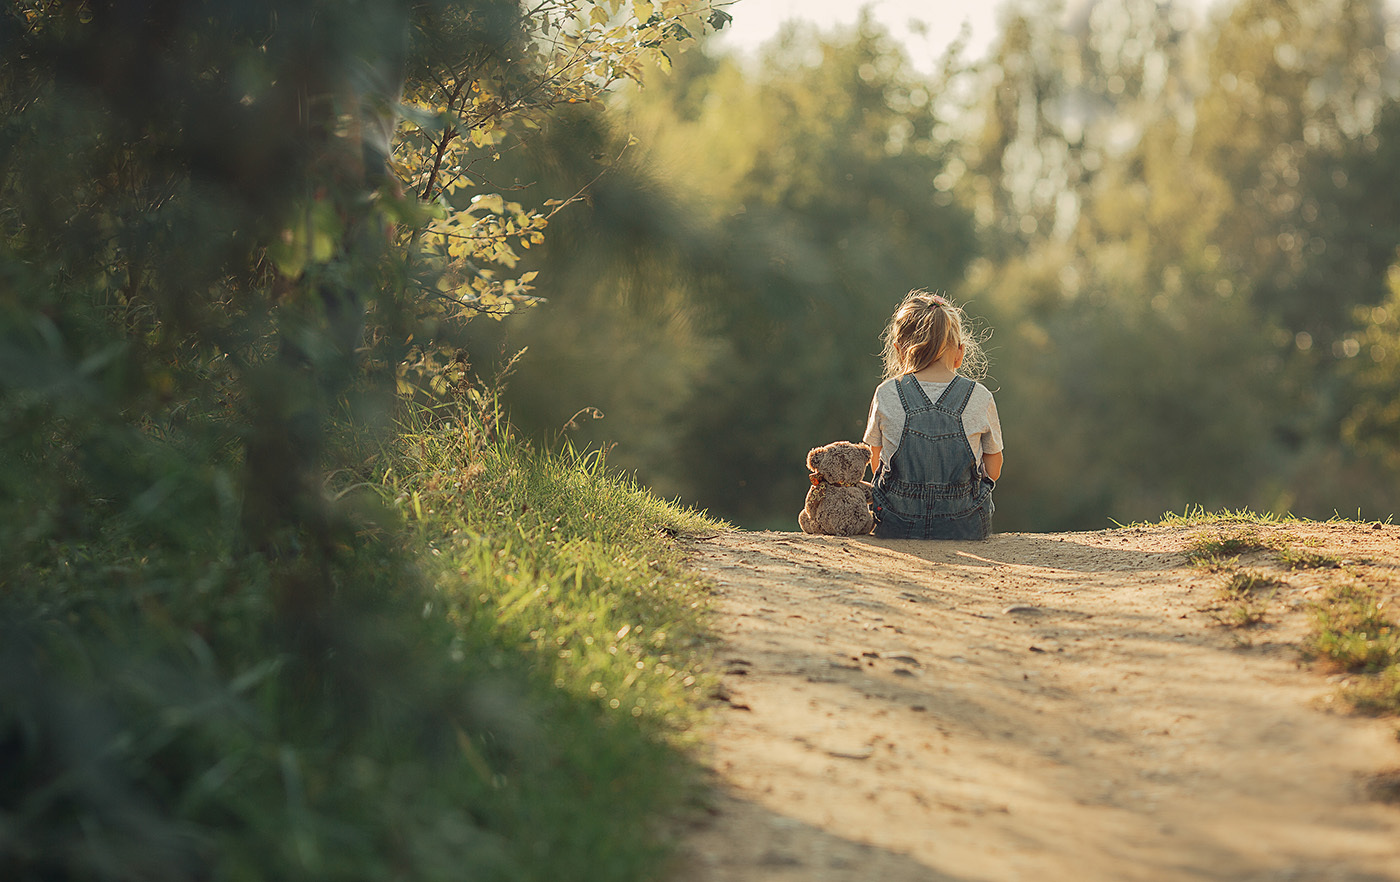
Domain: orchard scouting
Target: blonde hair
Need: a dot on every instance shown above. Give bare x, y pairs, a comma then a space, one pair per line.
923, 329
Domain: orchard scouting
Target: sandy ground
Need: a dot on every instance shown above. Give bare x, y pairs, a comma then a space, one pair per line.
1039, 707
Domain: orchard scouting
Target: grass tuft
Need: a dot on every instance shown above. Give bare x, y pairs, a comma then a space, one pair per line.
1213, 564
1207, 547
1246, 598
1353, 628
1354, 632
1250, 583
1301, 559
1197, 516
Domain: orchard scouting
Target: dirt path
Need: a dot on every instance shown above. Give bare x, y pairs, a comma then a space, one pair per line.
1038, 707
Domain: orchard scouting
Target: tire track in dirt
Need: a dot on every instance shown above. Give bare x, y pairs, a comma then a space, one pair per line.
1038, 707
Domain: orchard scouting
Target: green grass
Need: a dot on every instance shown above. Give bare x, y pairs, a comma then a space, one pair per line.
1251, 583
1221, 544
1246, 597
1245, 612
1238, 533
1353, 629
1196, 516
1302, 559
573, 567
503, 686
1199, 516
546, 566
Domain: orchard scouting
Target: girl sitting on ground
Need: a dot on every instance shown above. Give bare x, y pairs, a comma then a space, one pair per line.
934, 435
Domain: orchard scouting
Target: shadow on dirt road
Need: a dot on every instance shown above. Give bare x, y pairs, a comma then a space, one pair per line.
1047, 707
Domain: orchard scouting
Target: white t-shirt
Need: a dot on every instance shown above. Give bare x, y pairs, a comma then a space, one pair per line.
886, 424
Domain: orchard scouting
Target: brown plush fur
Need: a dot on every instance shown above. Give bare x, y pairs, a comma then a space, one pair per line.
839, 502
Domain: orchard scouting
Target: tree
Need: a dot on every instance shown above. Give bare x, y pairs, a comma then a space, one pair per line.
234, 224
1373, 421
208, 285
767, 222
1193, 196
1294, 96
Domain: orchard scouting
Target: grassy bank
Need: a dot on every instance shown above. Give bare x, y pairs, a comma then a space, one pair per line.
1351, 601
501, 688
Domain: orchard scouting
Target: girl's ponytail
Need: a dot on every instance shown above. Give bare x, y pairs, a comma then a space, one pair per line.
922, 329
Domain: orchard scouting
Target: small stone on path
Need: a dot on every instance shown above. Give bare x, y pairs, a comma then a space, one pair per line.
1020, 608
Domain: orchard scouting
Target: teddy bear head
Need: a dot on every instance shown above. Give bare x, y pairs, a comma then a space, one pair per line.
839, 463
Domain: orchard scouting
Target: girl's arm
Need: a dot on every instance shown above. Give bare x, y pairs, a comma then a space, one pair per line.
875, 460
991, 464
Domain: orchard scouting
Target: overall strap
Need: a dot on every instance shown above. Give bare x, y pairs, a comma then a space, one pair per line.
960, 391
910, 388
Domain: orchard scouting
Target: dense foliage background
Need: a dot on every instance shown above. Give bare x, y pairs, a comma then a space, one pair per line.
1181, 235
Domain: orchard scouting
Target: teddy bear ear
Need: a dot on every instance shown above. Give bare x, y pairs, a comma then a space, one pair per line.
812, 457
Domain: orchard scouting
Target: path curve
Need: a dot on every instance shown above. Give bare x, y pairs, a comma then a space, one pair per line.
1035, 706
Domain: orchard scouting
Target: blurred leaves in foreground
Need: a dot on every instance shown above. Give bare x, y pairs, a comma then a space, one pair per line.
235, 240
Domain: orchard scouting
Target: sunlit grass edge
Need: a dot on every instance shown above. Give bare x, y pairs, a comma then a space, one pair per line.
503, 684
550, 562
574, 565
1199, 516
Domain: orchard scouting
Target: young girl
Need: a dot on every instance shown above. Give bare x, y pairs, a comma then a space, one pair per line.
934, 436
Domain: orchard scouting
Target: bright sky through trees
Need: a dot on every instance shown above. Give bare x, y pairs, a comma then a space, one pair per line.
924, 27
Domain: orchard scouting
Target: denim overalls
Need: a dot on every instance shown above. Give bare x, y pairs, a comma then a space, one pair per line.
932, 488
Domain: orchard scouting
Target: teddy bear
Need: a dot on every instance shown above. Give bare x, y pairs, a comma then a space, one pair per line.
839, 502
